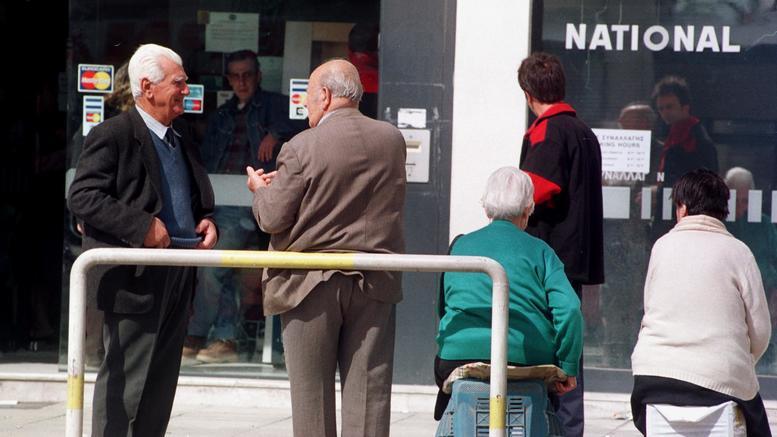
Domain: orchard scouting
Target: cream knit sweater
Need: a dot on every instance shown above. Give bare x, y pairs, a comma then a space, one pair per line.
706, 319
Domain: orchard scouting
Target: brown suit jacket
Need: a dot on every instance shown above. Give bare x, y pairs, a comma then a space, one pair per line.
340, 188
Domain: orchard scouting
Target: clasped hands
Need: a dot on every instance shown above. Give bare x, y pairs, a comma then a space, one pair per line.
157, 236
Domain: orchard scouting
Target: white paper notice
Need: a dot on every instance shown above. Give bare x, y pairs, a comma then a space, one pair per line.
228, 32
411, 117
624, 150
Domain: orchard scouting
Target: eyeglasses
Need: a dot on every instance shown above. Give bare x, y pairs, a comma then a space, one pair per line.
244, 76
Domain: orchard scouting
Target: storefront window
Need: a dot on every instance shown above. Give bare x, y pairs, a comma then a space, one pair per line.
669, 86
243, 57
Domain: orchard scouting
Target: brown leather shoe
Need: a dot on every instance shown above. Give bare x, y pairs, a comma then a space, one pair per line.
219, 351
191, 346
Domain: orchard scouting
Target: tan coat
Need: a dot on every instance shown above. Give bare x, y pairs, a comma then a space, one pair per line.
340, 188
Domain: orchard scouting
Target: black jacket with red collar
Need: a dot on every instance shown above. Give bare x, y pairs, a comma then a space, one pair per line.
562, 156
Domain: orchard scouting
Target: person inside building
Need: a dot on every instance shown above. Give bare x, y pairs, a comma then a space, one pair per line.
628, 256
248, 129
545, 321
363, 54
706, 319
761, 237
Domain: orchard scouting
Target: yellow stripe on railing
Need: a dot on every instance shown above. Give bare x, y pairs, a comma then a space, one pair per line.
75, 392
496, 419
288, 260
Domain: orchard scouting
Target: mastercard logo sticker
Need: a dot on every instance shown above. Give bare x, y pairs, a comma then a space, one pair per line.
94, 117
95, 78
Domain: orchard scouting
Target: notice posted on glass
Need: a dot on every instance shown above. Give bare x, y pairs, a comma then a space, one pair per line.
624, 150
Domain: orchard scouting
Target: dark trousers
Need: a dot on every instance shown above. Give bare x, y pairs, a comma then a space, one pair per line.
571, 411
135, 387
659, 390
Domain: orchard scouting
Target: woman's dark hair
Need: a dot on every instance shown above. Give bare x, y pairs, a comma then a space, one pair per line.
702, 192
542, 77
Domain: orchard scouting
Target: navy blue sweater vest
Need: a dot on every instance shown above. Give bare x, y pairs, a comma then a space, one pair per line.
176, 211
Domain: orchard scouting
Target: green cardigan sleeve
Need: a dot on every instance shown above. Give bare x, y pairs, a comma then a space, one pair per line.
566, 316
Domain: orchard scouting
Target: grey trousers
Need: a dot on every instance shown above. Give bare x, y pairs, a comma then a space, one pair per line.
135, 387
338, 326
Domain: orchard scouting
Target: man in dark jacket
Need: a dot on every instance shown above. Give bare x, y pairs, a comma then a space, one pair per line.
563, 159
140, 183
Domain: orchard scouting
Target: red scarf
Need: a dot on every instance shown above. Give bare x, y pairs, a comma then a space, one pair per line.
680, 135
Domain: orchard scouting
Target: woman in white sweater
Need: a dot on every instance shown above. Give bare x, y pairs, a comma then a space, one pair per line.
706, 320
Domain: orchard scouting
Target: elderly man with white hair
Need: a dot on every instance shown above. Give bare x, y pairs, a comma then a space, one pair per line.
546, 325
339, 187
140, 183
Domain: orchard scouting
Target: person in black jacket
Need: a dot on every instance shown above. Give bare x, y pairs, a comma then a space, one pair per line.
140, 183
562, 157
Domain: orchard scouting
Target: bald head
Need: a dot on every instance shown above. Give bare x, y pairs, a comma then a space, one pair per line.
333, 85
341, 78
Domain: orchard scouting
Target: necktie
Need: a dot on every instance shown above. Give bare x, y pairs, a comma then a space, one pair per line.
170, 137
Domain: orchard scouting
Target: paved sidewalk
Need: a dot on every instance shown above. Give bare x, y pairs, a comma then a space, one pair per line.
48, 419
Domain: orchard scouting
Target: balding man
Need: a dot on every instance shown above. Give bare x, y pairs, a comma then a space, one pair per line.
339, 187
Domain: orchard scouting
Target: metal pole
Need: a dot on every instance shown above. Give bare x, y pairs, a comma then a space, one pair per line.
293, 260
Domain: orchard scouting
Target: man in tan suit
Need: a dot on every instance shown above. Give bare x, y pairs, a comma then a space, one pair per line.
339, 187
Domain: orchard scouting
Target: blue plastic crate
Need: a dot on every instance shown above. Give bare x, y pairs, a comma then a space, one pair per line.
528, 412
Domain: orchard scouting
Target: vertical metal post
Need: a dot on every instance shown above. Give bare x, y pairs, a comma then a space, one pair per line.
75, 349
498, 384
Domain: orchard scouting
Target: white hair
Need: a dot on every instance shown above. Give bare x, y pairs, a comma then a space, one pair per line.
738, 177
342, 82
509, 192
144, 64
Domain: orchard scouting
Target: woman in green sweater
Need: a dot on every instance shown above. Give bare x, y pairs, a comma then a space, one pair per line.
545, 322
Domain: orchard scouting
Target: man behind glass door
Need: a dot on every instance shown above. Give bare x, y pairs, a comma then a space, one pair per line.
247, 130
562, 157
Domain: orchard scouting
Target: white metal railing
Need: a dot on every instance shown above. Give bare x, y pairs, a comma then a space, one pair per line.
292, 260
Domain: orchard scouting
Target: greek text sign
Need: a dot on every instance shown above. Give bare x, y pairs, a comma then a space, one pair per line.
624, 150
